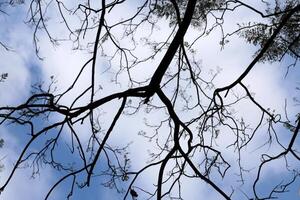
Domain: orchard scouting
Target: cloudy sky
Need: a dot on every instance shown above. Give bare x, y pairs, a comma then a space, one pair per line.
267, 80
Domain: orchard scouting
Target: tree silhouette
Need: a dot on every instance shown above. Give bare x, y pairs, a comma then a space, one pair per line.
196, 118
2, 78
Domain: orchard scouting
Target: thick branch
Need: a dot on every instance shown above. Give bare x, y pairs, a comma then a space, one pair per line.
262, 52
165, 62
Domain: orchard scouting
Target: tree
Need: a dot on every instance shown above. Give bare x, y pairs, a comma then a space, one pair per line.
1, 146
196, 123
2, 78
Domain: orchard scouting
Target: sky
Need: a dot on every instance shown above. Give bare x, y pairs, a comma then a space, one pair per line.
61, 61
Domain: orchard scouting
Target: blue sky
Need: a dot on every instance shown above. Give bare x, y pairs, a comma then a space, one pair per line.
267, 81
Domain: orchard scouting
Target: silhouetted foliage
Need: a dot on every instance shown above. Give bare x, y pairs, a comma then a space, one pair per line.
286, 42
3, 77
192, 124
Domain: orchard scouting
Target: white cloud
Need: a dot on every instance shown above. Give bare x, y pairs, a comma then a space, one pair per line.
64, 64
19, 64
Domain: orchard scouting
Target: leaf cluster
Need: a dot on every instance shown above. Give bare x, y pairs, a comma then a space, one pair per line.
166, 9
286, 43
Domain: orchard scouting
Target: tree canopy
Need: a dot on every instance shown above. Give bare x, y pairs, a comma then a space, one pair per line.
141, 111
